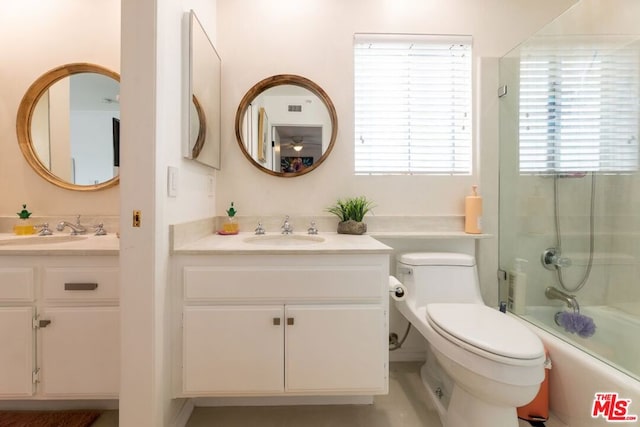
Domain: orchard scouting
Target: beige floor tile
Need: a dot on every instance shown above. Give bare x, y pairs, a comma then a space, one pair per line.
406, 405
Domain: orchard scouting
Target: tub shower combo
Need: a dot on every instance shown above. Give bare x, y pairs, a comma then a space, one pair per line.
570, 202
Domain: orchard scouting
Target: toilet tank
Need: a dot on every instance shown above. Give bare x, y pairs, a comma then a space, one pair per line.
439, 277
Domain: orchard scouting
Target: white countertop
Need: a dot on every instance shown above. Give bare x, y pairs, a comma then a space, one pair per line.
88, 244
238, 244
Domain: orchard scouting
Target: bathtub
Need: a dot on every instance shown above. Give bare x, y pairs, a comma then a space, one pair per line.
583, 367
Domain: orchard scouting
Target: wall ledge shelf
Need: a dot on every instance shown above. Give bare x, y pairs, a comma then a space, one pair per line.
379, 227
427, 235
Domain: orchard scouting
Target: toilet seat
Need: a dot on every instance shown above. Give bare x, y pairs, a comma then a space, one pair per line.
485, 332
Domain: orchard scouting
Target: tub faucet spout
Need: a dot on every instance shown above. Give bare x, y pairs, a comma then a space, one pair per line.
570, 300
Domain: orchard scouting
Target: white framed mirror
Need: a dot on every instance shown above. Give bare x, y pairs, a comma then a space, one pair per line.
205, 66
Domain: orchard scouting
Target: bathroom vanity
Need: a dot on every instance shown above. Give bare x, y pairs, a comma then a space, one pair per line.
59, 318
281, 315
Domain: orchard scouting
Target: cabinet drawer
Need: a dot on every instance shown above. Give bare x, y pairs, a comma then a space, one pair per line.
16, 284
360, 283
85, 284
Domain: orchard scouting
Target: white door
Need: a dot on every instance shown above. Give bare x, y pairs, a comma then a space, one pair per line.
233, 349
17, 351
335, 348
80, 351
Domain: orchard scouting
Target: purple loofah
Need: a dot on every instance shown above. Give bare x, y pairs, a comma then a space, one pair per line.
576, 323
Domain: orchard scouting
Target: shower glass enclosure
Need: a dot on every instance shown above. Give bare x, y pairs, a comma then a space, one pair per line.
570, 181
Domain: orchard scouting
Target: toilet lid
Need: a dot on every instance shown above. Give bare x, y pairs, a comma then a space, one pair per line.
437, 258
485, 328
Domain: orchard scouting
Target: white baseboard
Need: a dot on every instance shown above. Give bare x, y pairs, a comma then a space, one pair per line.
402, 355
182, 417
57, 405
282, 400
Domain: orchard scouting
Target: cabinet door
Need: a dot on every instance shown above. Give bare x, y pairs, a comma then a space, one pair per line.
338, 348
81, 351
16, 351
233, 349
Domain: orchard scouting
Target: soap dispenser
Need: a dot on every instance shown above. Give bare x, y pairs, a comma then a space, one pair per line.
517, 287
231, 226
24, 226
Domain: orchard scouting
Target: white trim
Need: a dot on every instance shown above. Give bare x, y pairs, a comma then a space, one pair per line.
282, 401
183, 415
417, 38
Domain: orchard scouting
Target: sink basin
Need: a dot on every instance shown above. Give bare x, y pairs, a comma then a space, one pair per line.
39, 240
284, 240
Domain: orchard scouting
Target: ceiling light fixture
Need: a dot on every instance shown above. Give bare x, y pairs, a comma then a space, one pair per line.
297, 143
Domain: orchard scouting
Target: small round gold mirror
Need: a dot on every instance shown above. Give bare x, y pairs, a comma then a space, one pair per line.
68, 126
286, 125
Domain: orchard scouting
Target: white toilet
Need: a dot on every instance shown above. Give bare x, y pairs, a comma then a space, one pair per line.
496, 363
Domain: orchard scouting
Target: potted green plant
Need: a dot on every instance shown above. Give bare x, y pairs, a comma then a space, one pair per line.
351, 212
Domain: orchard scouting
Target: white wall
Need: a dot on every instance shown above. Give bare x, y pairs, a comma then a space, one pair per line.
196, 183
154, 121
37, 36
314, 39
311, 38
65, 31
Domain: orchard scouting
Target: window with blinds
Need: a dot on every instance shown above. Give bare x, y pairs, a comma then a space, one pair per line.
412, 104
578, 108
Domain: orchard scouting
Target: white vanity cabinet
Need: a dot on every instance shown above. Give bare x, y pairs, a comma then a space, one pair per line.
282, 325
64, 338
17, 308
233, 349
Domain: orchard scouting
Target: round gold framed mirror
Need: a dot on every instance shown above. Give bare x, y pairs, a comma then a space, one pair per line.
286, 125
68, 127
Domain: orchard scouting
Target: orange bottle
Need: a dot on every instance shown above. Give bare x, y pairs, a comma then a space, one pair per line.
473, 212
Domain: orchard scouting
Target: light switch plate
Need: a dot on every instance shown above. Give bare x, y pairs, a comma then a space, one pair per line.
210, 185
172, 181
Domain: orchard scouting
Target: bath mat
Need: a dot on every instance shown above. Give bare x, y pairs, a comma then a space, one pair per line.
47, 418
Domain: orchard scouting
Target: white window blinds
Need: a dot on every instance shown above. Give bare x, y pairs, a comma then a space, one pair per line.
412, 104
579, 108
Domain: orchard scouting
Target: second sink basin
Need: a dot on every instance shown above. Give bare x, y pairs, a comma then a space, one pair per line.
284, 240
39, 240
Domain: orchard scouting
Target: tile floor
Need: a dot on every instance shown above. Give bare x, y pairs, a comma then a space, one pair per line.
406, 405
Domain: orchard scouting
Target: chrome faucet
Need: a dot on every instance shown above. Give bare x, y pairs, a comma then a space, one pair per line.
76, 228
44, 229
570, 300
312, 228
287, 228
100, 231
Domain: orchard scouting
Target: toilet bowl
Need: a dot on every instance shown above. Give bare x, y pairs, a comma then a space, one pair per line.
496, 364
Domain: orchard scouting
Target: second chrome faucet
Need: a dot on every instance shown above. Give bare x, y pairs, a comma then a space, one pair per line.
287, 228
76, 228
